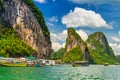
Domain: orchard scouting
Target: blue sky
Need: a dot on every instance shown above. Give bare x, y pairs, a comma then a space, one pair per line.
86, 16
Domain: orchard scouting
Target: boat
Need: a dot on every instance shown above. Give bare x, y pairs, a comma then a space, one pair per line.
20, 65
51, 62
117, 64
30, 64
80, 63
34, 64
106, 64
13, 64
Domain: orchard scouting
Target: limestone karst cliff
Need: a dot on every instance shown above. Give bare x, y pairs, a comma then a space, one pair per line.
26, 19
95, 50
99, 49
75, 49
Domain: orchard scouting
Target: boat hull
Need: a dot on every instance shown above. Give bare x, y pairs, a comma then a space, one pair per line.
14, 65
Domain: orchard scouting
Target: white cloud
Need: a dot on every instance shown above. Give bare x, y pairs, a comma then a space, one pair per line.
116, 48
83, 34
116, 39
58, 39
119, 32
50, 24
80, 17
56, 46
59, 36
53, 19
40, 1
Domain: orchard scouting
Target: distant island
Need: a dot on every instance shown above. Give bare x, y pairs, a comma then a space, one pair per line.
95, 49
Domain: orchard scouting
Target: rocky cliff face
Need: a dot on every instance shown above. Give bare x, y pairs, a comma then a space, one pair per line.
95, 50
74, 41
99, 49
98, 40
20, 16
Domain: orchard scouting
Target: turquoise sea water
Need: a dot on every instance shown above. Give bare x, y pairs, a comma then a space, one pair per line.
61, 72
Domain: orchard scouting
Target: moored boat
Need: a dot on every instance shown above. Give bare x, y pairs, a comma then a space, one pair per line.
13, 64
106, 64
80, 63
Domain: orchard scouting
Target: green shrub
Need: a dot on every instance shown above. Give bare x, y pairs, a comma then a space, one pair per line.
11, 45
57, 55
73, 55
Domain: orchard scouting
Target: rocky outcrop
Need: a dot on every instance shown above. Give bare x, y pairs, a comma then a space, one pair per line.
20, 16
74, 41
98, 40
95, 50
99, 48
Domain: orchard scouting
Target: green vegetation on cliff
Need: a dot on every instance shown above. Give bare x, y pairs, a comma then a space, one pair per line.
100, 52
96, 49
100, 57
118, 58
71, 31
74, 42
39, 16
57, 55
2, 4
11, 45
73, 55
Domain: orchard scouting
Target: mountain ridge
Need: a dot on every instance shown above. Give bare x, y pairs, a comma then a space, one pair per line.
95, 49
